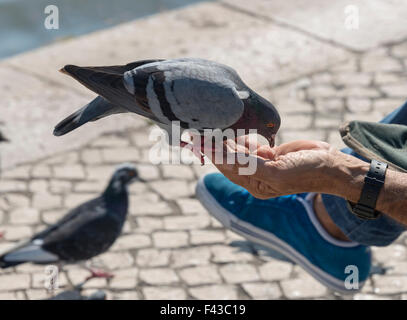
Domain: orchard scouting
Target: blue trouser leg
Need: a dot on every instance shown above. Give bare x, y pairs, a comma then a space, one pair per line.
379, 232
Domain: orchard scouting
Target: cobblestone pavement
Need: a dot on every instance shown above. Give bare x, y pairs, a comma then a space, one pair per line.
171, 248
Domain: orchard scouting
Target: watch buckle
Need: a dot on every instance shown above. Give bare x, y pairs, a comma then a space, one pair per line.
373, 181
364, 212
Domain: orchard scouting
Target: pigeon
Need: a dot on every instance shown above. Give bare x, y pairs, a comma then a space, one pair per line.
85, 232
189, 92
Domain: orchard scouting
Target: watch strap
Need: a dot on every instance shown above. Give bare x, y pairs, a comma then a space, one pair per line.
374, 182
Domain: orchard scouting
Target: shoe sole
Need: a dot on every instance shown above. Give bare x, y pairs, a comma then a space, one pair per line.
267, 239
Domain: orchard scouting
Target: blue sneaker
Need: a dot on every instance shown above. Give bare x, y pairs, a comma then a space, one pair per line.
289, 226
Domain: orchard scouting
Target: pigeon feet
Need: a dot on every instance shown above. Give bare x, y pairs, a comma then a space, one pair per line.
1, 235
99, 274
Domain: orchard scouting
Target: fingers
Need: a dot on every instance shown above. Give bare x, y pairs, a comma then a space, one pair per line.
236, 159
225, 153
251, 142
266, 152
230, 165
298, 145
280, 170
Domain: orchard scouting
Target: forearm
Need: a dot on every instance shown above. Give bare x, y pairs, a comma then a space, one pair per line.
350, 173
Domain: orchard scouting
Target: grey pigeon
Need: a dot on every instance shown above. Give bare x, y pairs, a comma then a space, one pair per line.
199, 94
85, 232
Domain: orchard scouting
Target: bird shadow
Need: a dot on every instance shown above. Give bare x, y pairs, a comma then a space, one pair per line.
379, 269
75, 294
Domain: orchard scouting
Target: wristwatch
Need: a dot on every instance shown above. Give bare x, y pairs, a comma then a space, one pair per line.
374, 181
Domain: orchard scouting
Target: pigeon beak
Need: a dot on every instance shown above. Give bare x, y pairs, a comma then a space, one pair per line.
141, 179
135, 177
62, 70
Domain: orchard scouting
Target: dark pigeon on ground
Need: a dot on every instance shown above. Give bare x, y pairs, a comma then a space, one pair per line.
85, 232
198, 94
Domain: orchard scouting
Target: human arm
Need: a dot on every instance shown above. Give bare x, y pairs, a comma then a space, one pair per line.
313, 166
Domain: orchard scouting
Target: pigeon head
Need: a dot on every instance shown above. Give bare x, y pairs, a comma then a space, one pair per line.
125, 174
261, 115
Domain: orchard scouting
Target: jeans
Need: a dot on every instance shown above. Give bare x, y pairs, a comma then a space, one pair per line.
378, 232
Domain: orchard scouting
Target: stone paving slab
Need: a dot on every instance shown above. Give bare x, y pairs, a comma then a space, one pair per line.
380, 21
169, 240
207, 30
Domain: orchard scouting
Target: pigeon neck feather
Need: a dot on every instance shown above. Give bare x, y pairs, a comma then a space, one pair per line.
116, 187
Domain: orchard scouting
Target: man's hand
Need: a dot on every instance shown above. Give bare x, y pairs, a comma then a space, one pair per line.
294, 167
310, 166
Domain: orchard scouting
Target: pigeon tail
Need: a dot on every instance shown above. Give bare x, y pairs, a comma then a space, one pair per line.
69, 123
95, 110
98, 79
9, 264
4, 263
28, 252
108, 82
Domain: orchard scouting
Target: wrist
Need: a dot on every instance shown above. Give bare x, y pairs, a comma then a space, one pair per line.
346, 176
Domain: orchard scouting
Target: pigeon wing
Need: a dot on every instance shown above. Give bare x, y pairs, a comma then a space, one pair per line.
72, 221
88, 231
108, 83
121, 69
96, 109
197, 93
36, 251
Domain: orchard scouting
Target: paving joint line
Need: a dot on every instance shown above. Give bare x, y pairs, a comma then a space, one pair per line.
292, 27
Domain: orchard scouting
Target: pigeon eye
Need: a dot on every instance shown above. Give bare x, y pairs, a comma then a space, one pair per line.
270, 125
